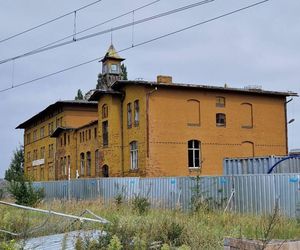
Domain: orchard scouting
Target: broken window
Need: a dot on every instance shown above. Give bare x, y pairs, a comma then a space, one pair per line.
194, 153
105, 133
136, 113
134, 155
129, 115
220, 120
88, 163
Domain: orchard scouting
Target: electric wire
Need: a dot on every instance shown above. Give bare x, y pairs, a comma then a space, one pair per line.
141, 43
48, 22
123, 26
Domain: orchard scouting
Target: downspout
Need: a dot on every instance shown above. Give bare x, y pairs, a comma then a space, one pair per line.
286, 124
147, 117
122, 135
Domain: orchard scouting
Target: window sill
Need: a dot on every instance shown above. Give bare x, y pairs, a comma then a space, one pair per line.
193, 124
248, 127
221, 125
194, 168
133, 170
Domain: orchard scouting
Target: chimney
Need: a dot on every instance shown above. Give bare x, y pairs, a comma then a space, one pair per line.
164, 79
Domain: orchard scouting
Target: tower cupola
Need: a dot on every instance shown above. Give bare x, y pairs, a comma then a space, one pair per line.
111, 68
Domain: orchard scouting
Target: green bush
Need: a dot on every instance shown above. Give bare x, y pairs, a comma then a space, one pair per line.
140, 204
24, 192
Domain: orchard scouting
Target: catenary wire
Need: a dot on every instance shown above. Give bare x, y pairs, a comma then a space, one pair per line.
123, 26
77, 33
50, 21
141, 43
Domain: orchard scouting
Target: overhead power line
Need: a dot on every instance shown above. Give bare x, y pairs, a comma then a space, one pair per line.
140, 44
49, 21
123, 26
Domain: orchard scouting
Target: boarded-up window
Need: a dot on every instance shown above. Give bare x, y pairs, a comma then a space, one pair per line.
247, 149
220, 101
193, 112
247, 115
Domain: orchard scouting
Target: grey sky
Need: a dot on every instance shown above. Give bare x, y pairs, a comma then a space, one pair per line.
259, 46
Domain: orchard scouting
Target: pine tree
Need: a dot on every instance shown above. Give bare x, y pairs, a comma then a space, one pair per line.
79, 95
124, 72
15, 171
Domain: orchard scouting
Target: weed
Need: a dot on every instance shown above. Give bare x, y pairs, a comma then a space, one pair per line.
140, 204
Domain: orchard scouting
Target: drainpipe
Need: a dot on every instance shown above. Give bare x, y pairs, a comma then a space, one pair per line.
122, 135
286, 124
147, 116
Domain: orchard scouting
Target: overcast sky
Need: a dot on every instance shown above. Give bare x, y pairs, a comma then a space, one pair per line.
259, 46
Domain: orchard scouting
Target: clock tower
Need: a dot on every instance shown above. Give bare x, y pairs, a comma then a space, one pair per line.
111, 69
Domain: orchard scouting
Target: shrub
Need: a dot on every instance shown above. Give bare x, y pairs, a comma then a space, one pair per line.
115, 244
24, 192
140, 204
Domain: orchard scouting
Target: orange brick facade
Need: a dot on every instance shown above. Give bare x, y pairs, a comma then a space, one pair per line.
139, 128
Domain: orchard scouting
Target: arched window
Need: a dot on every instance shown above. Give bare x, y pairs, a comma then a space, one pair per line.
220, 101
193, 112
104, 111
136, 113
105, 171
220, 120
129, 115
194, 153
82, 164
247, 149
247, 115
134, 155
88, 163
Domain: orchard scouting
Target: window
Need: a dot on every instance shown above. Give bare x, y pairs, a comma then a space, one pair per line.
114, 68
50, 151
105, 133
129, 115
97, 162
193, 112
80, 137
82, 164
104, 111
247, 115
42, 175
42, 153
90, 134
69, 166
194, 153
134, 155
50, 128
34, 135
42, 132
35, 154
95, 132
220, 101
68, 139
65, 166
65, 139
88, 163
61, 166
28, 137
221, 120
28, 156
136, 113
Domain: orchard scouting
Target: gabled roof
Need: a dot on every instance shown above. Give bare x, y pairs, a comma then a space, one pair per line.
117, 86
56, 105
112, 54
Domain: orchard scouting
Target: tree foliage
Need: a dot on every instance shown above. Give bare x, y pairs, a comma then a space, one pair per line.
79, 95
16, 168
124, 72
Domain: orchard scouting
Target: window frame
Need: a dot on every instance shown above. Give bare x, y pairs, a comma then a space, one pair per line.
220, 101
129, 115
194, 149
105, 139
134, 156
136, 105
219, 118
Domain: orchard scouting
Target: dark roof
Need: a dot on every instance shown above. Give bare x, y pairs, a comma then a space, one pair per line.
119, 84
88, 124
59, 130
96, 95
54, 106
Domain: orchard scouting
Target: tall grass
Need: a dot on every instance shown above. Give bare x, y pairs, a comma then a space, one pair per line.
199, 230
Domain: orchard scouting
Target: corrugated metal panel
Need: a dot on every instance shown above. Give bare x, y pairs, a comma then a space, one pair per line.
255, 194
259, 165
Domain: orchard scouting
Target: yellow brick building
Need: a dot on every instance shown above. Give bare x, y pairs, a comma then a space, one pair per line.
163, 128
39, 148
